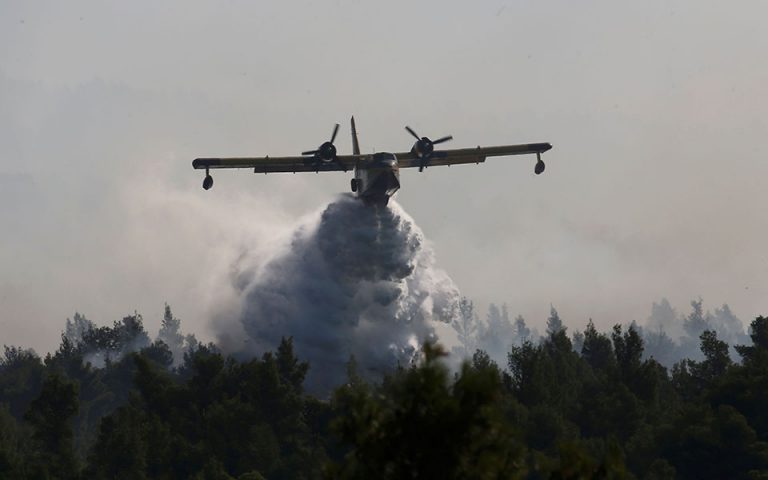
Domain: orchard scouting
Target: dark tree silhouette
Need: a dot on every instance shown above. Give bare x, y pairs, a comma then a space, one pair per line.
50, 416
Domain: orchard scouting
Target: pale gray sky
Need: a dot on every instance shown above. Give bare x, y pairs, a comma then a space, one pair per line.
656, 111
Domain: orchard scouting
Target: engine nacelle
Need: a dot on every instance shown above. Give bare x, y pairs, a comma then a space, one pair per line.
423, 147
326, 152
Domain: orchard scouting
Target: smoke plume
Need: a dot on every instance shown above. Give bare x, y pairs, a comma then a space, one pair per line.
357, 281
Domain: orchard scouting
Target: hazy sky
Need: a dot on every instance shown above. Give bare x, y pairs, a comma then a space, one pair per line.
656, 185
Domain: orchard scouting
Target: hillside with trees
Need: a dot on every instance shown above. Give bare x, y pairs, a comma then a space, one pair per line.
111, 402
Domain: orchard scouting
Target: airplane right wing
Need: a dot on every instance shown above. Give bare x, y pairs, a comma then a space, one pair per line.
469, 155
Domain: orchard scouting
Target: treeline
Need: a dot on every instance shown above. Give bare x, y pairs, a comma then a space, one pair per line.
668, 336
599, 409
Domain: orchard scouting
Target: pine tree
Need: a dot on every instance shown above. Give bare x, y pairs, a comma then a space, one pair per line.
522, 332
716, 361
660, 347
728, 325
628, 348
757, 353
170, 334
77, 328
697, 321
498, 335
554, 324
597, 349
50, 415
578, 341
664, 316
465, 326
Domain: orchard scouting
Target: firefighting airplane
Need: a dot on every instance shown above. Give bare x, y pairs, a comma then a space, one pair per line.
377, 175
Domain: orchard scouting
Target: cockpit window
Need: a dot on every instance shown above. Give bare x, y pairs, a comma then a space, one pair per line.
383, 156
384, 159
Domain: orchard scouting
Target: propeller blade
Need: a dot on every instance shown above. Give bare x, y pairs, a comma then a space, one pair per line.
412, 132
310, 152
335, 131
441, 140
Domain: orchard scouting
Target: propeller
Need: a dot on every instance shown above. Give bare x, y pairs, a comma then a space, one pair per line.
327, 151
424, 148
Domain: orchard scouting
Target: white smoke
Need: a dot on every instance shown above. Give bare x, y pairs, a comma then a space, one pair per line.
356, 281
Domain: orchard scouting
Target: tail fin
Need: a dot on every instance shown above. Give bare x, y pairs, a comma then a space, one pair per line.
355, 145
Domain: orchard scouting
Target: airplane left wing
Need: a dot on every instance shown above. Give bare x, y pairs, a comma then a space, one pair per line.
342, 163
469, 155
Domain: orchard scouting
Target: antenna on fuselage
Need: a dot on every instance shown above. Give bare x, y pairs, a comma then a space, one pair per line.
355, 144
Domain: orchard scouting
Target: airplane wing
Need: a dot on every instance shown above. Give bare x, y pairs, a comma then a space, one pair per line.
469, 155
280, 164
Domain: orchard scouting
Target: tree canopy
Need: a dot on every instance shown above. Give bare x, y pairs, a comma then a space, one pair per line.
112, 403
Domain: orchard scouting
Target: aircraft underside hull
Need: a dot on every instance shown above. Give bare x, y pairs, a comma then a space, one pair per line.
378, 186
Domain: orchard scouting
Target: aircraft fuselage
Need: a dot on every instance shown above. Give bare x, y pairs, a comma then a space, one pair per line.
379, 180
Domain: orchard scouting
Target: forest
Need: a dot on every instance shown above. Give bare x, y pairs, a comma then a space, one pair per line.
112, 403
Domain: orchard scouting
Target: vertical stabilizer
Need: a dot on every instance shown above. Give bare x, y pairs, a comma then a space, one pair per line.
355, 145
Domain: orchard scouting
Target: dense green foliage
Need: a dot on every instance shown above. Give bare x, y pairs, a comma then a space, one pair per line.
109, 403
